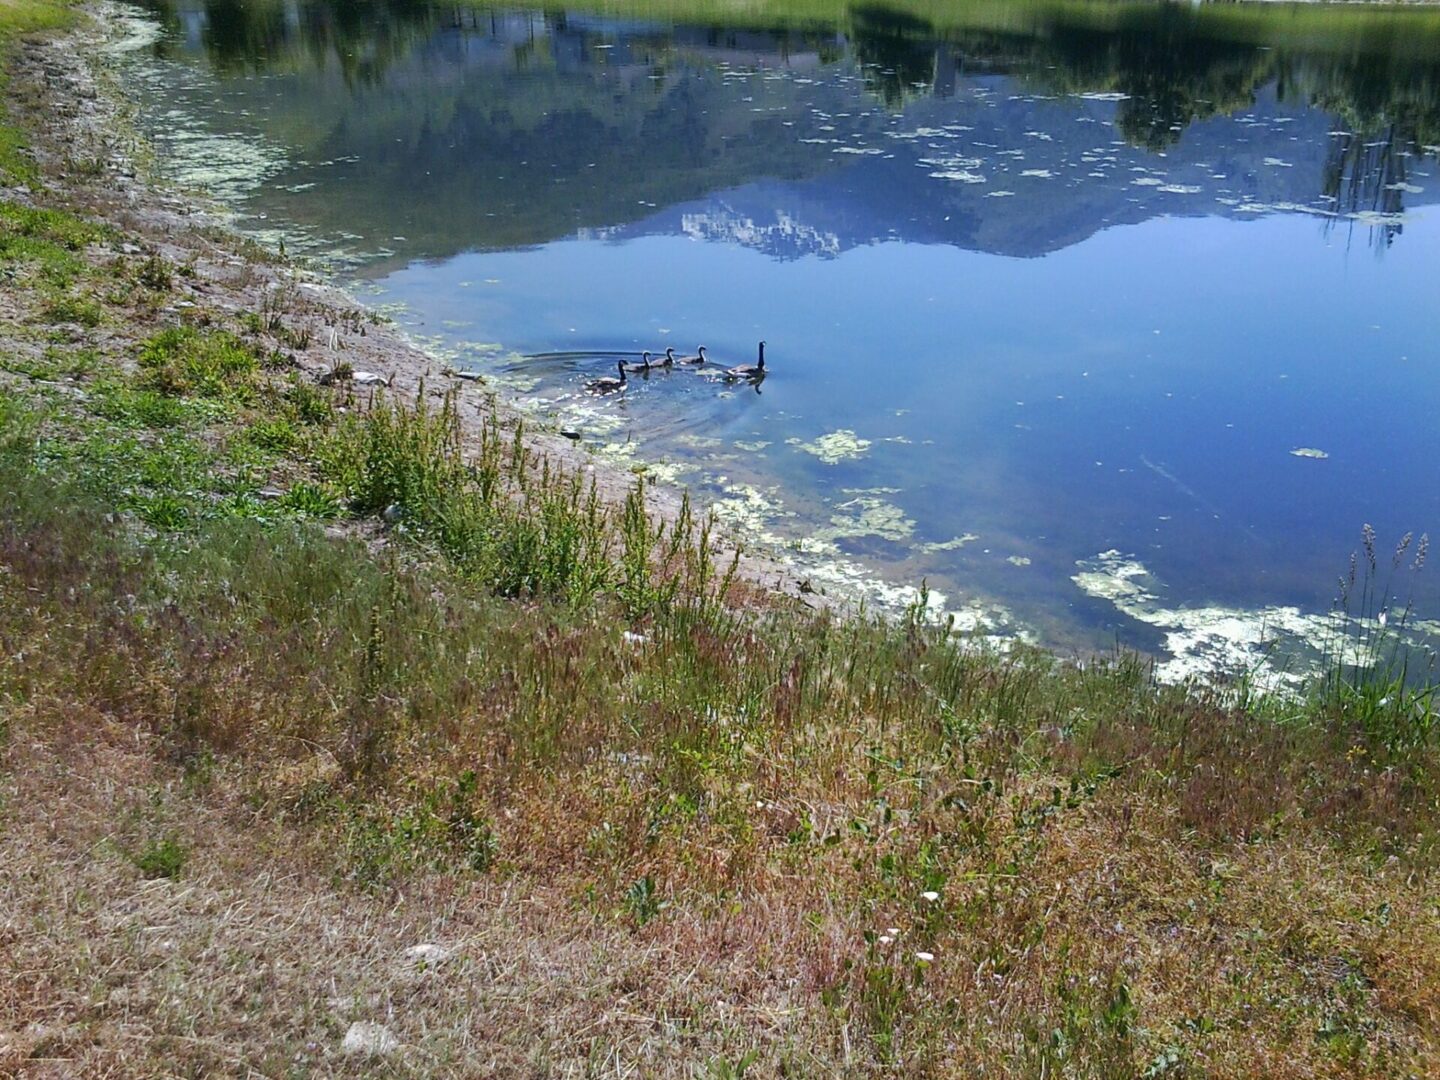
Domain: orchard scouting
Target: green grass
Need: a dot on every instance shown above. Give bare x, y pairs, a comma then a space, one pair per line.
186, 361
19, 17
46, 243
511, 521
163, 858
54, 365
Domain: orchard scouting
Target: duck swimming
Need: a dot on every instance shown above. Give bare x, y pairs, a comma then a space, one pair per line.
749, 371
695, 360
608, 385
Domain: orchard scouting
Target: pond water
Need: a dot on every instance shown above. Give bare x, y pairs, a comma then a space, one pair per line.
1111, 322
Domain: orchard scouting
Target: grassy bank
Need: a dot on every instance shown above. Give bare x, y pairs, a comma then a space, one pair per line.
294, 677
906, 854
19, 17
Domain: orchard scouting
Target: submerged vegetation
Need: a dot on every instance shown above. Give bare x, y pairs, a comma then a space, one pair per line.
286, 667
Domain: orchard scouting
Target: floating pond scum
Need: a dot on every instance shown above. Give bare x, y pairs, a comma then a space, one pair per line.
1028, 297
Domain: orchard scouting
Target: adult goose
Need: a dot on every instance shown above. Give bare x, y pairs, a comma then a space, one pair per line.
608, 385
644, 364
693, 361
749, 371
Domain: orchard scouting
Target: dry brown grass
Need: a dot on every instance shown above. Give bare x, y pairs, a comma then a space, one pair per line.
1103, 907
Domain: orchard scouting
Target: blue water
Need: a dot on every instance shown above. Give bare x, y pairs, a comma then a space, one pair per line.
1044, 329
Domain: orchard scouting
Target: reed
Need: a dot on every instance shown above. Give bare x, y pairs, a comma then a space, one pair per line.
1378, 673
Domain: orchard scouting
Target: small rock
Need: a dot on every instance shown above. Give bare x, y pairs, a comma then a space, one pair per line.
365, 1038
392, 513
473, 376
427, 953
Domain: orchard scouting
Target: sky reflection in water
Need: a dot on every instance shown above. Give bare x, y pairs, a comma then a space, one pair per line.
1048, 316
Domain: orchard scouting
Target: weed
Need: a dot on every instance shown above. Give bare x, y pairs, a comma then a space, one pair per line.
38, 225
187, 361
1376, 680
165, 511
275, 434
308, 404
277, 306
162, 858
518, 524
155, 273
79, 310
146, 408
642, 900
19, 424
725, 1069
54, 365
309, 501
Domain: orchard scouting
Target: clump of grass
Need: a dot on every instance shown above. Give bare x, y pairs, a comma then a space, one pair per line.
24, 228
185, 361
514, 522
308, 404
19, 425
160, 858
54, 365
272, 433
155, 273
1377, 677
165, 510
79, 310
129, 406
308, 500
642, 900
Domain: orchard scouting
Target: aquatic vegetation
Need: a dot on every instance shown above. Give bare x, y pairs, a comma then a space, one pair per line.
1271, 648
868, 515
750, 511
834, 447
953, 544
